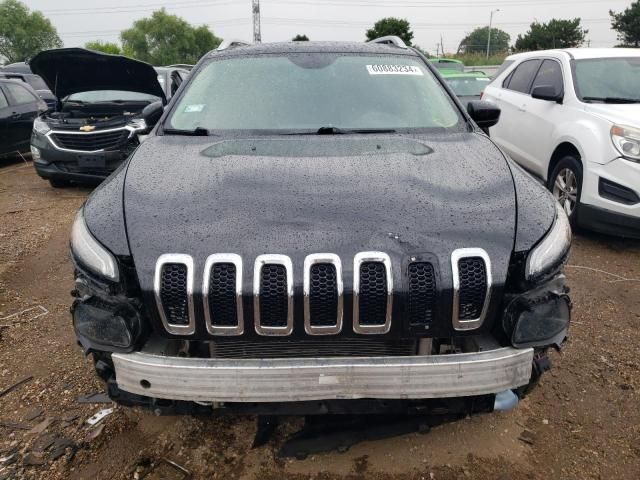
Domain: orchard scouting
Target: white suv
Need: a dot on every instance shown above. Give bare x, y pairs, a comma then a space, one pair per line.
572, 117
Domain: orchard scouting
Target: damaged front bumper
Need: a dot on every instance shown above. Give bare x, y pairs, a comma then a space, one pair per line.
303, 379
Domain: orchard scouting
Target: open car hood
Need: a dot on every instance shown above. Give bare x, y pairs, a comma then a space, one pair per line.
73, 70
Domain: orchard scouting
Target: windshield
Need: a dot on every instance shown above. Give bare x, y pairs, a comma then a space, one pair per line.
313, 91
608, 78
36, 82
96, 96
467, 86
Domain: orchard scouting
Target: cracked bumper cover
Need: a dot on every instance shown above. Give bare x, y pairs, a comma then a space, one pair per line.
289, 380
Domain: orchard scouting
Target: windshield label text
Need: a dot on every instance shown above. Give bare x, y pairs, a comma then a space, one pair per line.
394, 70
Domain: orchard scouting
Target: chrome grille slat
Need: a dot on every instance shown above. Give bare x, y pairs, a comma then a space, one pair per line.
222, 294
271, 297
472, 283
175, 300
323, 294
380, 307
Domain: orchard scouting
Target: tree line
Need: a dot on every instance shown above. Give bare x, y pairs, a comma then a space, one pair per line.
164, 39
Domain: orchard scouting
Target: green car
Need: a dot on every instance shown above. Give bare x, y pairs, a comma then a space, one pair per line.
447, 64
467, 86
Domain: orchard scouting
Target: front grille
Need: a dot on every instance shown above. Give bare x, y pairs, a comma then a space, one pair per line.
89, 142
273, 296
323, 295
173, 293
222, 295
422, 293
373, 294
473, 287
321, 347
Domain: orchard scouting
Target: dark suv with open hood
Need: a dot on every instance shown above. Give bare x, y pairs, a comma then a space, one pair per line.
319, 227
98, 117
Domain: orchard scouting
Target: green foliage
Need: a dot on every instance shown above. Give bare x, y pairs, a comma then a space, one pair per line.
476, 41
391, 26
478, 59
106, 47
165, 39
627, 24
24, 33
554, 34
300, 38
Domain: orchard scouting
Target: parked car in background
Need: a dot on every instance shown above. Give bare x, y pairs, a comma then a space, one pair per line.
99, 115
20, 105
182, 66
170, 78
320, 228
18, 67
467, 86
572, 117
447, 64
36, 83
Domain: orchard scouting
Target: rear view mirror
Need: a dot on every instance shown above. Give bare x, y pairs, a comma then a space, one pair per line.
152, 113
547, 92
485, 114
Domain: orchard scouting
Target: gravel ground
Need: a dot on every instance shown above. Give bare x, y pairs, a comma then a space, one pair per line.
581, 422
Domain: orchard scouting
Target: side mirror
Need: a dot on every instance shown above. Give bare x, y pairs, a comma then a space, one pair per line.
548, 93
485, 114
152, 113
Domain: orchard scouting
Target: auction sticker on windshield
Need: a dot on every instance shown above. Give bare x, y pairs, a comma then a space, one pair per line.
394, 70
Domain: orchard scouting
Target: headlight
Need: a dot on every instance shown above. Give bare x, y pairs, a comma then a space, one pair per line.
138, 124
627, 141
41, 126
553, 248
90, 253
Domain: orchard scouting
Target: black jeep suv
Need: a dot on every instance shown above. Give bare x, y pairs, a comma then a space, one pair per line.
319, 227
98, 116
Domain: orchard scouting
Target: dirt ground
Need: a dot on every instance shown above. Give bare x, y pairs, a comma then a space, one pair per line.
582, 421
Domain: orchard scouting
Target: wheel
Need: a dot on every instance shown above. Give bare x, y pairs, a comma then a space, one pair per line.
58, 183
565, 182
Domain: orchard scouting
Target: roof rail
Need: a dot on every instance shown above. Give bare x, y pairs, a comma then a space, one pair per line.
390, 40
232, 43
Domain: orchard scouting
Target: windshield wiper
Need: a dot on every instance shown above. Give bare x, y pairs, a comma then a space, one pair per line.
611, 99
196, 132
344, 131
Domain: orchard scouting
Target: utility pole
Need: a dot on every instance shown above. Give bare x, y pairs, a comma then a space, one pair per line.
490, 27
257, 38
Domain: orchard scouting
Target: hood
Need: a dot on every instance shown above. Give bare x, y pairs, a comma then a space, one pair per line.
72, 70
326, 194
625, 114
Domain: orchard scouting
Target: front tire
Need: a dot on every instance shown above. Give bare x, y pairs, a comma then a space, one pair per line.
565, 183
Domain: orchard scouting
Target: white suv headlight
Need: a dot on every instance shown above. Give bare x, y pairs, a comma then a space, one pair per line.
627, 141
41, 126
553, 248
90, 253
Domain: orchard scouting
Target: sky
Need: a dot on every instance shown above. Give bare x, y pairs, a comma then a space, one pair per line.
80, 21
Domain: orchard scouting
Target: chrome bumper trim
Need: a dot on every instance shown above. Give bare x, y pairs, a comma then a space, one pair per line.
300, 379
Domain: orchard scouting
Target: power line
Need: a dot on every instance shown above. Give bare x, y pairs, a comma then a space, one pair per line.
337, 3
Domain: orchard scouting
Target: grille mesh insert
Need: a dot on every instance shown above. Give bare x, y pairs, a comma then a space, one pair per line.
173, 293
303, 348
222, 295
373, 293
90, 142
422, 293
273, 296
323, 295
473, 287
